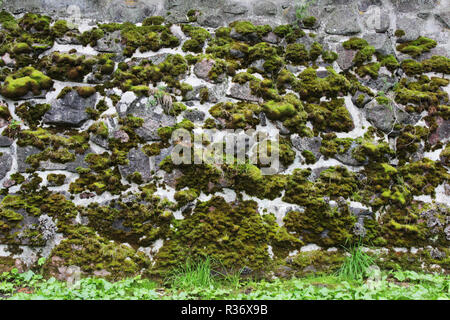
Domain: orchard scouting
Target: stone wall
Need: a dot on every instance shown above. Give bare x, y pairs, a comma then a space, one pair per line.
357, 90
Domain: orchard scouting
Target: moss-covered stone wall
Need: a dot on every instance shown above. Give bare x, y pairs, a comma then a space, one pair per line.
87, 110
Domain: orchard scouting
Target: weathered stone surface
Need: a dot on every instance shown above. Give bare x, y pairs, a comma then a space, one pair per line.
381, 42
5, 141
203, 67
211, 21
194, 115
6, 163
22, 154
70, 110
413, 5
265, 8
154, 118
345, 59
235, 8
110, 43
138, 162
347, 157
444, 18
361, 102
309, 144
243, 92
343, 21
442, 133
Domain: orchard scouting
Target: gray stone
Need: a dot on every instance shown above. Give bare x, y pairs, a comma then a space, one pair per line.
361, 103
138, 162
154, 118
243, 92
70, 110
347, 157
235, 9
413, 5
5, 141
344, 22
265, 8
364, 5
203, 67
194, 115
22, 154
110, 43
382, 117
381, 42
310, 144
444, 18
410, 26
79, 161
248, 37
442, 133
271, 38
211, 21
6, 163
345, 59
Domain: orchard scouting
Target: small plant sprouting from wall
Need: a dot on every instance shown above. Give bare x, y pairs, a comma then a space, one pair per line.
301, 7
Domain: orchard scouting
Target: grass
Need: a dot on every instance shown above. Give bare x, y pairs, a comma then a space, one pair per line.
202, 280
400, 285
356, 264
202, 274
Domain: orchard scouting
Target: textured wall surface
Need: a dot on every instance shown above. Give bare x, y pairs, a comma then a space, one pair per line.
357, 90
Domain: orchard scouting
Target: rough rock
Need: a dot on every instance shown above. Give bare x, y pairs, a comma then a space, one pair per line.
70, 110
309, 144
6, 163
243, 92
343, 21
138, 162
154, 118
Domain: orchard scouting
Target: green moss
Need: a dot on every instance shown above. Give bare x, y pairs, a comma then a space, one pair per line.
237, 115
297, 53
21, 47
400, 33
355, 44
152, 149
86, 91
198, 38
370, 69
279, 110
330, 116
329, 56
309, 22
437, 64
183, 197
310, 158
59, 28
56, 179
154, 20
416, 47
235, 235
311, 88
390, 62
321, 225
91, 37
32, 113
23, 81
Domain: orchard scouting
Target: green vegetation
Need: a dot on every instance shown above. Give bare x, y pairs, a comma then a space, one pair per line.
398, 285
